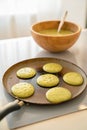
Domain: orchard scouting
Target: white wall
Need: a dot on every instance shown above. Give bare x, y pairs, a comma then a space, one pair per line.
77, 11
18, 25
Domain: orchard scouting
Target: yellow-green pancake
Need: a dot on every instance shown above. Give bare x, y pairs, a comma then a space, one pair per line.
26, 72
58, 94
22, 90
52, 67
47, 80
73, 78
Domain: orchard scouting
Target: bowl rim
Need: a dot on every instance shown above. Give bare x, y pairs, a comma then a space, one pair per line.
74, 33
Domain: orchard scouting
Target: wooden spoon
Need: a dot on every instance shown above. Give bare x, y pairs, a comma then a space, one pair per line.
62, 21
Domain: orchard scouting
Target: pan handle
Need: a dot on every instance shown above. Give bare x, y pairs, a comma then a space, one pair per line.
10, 107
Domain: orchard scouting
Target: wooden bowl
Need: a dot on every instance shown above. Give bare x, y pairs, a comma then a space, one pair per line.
55, 43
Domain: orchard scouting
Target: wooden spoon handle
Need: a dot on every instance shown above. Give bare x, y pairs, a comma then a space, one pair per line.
62, 21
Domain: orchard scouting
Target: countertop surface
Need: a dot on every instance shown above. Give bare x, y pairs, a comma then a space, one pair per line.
19, 49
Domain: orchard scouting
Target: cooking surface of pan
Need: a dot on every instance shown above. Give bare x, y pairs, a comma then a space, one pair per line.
10, 78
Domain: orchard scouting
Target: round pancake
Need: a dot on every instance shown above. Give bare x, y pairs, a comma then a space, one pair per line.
58, 94
52, 67
22, 90
47, 80
26, 72
73, 78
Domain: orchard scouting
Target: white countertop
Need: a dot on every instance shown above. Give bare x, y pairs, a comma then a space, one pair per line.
77, 54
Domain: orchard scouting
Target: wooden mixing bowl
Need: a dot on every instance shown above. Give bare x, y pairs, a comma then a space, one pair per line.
55, 43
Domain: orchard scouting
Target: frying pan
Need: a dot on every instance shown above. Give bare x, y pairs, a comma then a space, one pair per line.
10, 78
